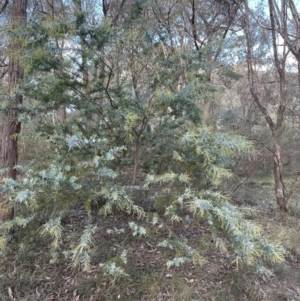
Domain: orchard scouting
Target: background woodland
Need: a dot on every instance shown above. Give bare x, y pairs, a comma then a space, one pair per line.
148, 140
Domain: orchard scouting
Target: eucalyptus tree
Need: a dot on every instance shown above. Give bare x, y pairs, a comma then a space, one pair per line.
201, 28
273, 94
285, 21
11, 125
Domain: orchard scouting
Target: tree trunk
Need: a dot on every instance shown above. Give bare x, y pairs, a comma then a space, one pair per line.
283, 196
279, 185
12, 127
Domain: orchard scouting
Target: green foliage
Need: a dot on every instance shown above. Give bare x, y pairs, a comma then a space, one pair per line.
130, 134
81, 254
137, 230
184, 253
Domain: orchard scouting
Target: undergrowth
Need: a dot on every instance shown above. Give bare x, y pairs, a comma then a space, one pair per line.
33, 274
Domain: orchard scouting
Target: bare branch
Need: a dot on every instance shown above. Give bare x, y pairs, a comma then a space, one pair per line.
4, 6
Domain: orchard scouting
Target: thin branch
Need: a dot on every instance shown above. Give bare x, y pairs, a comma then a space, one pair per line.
194, 25
116, 17
4, 6
254, 168
251, 71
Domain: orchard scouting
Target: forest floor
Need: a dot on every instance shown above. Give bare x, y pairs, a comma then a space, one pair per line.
33, 274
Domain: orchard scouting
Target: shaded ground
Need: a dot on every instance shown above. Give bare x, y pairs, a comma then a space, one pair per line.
34, 275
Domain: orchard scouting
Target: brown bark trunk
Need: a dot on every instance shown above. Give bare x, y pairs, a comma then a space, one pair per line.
279, 185
283, 196
136, 161
136, 153
63, 115
12, 127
